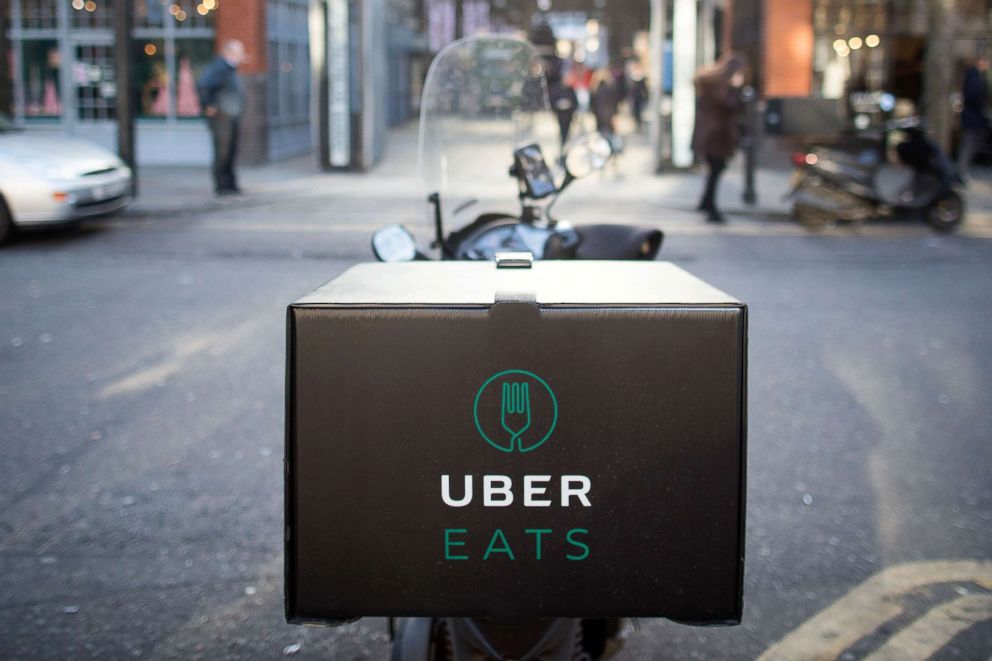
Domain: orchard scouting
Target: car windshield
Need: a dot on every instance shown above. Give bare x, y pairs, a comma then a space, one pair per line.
483, 97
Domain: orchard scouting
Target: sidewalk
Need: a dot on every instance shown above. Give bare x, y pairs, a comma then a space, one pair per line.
626, 191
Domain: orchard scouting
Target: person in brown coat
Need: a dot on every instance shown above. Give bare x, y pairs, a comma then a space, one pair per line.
717, 131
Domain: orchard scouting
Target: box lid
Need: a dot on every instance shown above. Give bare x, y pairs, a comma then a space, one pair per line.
596, 283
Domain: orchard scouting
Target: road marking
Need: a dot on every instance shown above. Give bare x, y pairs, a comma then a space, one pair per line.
178, 355
147, 377
869, 606
925, 636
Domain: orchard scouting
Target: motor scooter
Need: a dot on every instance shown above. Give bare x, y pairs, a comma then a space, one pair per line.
902, 173
484, 107
533, 230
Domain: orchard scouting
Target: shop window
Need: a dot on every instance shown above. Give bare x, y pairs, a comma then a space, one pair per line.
93, 78
92, 14
149, 14
152, 78
192, 57
172, 43
288, 61
158, 65
38, 14
848, 48
192, 14
42, 89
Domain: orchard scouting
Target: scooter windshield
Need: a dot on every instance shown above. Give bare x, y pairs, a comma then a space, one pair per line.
483, 97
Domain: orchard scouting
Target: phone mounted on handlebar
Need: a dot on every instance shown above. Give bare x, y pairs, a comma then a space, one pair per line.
533, 173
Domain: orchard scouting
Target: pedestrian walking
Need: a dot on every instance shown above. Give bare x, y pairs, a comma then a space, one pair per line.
564, 102
223, 100
638, 91
605, 98
717, 131
974, 122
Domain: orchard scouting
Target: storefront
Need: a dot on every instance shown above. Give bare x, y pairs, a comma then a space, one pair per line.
61, 54
829, 64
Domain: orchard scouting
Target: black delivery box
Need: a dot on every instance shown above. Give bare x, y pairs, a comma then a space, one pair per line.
560, 440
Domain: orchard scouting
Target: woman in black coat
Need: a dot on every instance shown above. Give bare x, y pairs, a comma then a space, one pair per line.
717, 131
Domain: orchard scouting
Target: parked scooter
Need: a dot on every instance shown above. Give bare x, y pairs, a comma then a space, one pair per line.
484, 100
904, 173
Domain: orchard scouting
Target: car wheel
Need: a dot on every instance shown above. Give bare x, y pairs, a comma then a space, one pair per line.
6, 223
946, 213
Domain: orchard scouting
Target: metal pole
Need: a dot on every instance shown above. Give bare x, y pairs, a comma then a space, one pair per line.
6, 84
123, 22
655, 80
748, 195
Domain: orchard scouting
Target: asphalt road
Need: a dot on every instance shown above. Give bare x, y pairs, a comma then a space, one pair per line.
141, 431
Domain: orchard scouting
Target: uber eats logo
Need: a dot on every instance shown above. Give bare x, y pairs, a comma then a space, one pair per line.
516, 411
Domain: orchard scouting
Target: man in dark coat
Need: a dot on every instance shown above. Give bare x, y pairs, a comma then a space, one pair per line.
717, 131
974, 123
223, 100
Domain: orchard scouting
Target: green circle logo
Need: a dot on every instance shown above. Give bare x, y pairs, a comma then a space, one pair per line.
515, 411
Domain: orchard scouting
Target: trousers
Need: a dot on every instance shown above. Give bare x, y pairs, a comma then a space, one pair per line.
716, 167
224, 130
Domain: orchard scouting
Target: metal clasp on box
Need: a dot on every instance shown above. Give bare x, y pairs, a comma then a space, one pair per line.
514, 260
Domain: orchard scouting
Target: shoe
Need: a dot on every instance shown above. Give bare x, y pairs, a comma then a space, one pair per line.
714, 216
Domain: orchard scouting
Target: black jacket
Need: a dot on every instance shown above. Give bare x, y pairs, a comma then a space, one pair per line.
220, 87
975, 93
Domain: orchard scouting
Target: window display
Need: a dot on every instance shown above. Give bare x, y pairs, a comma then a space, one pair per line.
172, 42
166, 77
42, 93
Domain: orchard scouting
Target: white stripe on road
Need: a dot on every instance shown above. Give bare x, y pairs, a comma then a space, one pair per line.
924, 637
870, 605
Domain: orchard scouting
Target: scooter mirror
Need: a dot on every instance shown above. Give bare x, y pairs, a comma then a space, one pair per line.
394, 243
586, 154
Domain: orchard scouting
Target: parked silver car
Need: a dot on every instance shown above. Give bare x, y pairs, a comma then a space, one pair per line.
47, 179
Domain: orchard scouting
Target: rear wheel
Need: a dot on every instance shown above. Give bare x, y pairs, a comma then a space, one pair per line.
6, 222
946, 214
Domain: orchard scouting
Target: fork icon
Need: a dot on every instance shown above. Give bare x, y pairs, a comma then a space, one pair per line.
515, 411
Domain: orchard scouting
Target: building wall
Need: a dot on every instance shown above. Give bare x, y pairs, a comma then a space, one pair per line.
245, 20
788, 61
